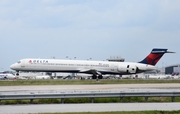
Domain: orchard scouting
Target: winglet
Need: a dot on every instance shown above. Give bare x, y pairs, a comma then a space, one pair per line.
155, 56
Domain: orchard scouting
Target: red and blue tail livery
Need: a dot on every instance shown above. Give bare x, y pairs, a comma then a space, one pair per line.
155, 56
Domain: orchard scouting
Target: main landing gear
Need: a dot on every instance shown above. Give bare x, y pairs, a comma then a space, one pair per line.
97, 77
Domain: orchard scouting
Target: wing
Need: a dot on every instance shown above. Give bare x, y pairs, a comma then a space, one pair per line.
90, 71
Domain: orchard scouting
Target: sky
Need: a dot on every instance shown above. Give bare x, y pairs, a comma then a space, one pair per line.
97, 29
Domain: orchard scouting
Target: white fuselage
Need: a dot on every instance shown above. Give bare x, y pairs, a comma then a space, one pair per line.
80, 66
7, 76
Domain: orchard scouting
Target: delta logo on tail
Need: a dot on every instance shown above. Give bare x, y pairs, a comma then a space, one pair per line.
155, 56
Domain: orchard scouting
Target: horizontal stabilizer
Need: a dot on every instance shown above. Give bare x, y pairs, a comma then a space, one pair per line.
157, 50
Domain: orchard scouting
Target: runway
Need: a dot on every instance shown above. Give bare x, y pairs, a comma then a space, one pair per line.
89, 87
99, 107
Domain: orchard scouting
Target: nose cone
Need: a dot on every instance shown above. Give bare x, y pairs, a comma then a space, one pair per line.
12, 66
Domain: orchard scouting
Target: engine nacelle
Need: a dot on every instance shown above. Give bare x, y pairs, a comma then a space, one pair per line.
129, 69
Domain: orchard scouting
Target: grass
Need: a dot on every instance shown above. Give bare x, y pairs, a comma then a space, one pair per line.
87, 100
79, 82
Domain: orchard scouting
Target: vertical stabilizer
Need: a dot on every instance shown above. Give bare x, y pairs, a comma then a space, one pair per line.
155, 56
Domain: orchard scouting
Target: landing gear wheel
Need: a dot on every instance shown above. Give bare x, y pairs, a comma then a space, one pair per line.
100, 77
17, 73
94, 77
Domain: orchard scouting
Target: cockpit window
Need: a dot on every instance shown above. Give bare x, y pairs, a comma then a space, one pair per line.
19, 62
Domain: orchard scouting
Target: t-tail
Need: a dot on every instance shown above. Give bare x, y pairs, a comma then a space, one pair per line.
155, 56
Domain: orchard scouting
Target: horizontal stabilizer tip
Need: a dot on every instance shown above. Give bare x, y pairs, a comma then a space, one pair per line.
159, 50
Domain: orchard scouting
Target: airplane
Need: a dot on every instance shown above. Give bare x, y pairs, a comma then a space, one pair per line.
97, 68
42, 77
157, 76
6, 75
175, 75
31, 75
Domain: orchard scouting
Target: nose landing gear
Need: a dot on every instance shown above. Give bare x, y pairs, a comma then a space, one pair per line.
17, 73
